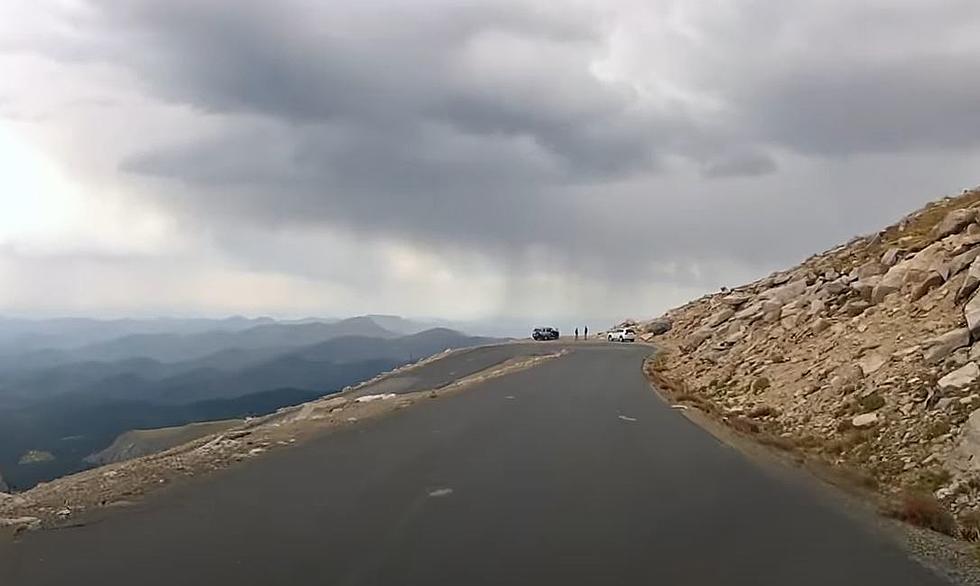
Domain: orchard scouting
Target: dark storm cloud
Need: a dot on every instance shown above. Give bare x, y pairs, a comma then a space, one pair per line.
488, 126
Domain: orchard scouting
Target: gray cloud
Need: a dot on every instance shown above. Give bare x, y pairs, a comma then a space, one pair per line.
674, 142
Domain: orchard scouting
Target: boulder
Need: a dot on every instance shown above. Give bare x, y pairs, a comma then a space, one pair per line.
697, 338
870, 269
817, 307
891, 256
892, 281
772, 310
972, 314
865, 287
835, 287
787, 292
720, 317
855, 307
954, 222
970, 282
750, 313
658, 326
780, 278
931, 281
735, 300
966, 454
930, 258
937, 349
960, 262
960, 378
864, 420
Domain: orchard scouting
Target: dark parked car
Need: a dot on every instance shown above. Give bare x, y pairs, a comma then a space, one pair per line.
542, 334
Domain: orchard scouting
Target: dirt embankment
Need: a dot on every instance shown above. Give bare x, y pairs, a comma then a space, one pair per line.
865, 357
69, 500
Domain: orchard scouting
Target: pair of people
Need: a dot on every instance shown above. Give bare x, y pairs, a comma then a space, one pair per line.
584, 337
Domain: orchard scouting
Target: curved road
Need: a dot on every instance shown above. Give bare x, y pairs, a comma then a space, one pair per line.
570, 473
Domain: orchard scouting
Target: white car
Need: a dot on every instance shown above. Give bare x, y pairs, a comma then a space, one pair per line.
621, 335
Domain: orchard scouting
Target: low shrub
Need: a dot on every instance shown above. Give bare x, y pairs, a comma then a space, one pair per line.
924, 510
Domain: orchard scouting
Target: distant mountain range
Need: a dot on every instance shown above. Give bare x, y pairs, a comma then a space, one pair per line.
73, 401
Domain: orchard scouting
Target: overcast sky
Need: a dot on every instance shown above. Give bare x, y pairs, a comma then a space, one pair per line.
467, 160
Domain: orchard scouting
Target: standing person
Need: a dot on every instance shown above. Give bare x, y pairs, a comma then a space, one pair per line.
586, 336
576, 334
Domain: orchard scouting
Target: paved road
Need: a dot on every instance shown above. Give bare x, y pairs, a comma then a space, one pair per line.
455, 366
567, 474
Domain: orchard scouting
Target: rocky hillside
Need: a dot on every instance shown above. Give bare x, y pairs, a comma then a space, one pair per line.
143, 442
866, 356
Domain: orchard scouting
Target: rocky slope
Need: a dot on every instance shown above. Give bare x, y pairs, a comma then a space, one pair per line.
866, 356
143, 442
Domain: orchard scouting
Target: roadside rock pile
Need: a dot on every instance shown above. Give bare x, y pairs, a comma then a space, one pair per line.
867, 355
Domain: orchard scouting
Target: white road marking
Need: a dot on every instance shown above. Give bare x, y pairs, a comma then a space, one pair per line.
441, 492
625, 418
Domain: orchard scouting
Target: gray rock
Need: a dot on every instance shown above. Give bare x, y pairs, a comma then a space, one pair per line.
970, 282
891, 282
780, 278
937, 349
870, 269
750, 313
961, 377
865, 420
772, 310
658, 326
960, 262
835, 287
697, 338
865, 287
735, 300
972, 314
787, 292
891, 256
720, 317
954, 222
817, 307
958, 358
855, 307
966, 454
931, 281
930, 258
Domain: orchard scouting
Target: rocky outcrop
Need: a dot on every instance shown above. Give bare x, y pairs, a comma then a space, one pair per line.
871, 353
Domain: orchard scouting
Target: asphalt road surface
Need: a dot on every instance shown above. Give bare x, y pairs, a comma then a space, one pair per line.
567, 474
459, 364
